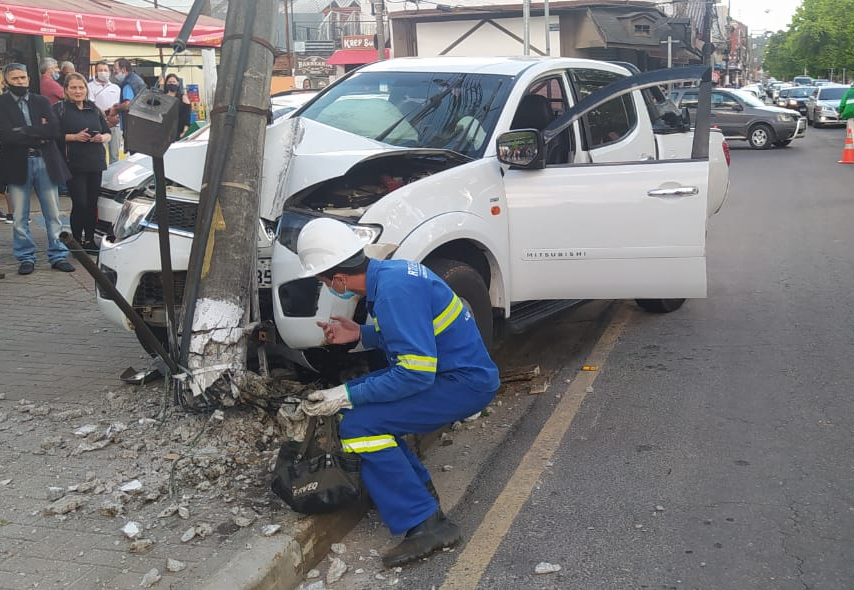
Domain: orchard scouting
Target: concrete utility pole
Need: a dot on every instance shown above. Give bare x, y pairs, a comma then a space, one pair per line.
708, 48
221, 276
526, 27
379, 9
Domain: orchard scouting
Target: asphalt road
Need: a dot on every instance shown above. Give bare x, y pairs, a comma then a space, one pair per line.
713, 450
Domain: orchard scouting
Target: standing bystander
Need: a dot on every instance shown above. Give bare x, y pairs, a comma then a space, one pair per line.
131, 85
173, 88
83, 133
48, 85
105, 94
31, 160
65, 68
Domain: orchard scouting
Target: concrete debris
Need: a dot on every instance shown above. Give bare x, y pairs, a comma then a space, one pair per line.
360, 571
111, 508
268, 530
659, 508
521, 374
456, 426
92, 446
539, 385
473, 417
218, 415
293, 421
40, 411
545, 567
183, 512
336, 569
141, 545
312, 573
55, 493
446, 439
66, 504
203, 529
132, 487
168, 511
188, 535
339, 548
3, 416
319, 585
447, 467
5, 482
150, 578
52, 442
86, 430
245, 518
588, 389
116, 427
173, 565
2, 396
132, 529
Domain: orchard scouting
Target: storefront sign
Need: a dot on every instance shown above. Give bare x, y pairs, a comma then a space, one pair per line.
313, 65
358, 42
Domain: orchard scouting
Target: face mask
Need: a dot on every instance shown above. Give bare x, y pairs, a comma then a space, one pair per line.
171, 88
103, 76
18, 90
120, 77
54, 75
345, 295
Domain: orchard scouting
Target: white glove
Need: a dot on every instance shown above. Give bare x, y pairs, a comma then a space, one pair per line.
326, 402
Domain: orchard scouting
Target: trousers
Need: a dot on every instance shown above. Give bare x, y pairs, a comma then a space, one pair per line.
23, 244
392, 474
84, 188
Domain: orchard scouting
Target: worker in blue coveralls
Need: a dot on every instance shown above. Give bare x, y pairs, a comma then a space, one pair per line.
439, 372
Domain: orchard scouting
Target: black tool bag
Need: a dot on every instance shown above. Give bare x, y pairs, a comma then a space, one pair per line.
316, 476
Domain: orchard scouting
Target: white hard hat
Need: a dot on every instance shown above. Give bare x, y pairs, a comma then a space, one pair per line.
324, 243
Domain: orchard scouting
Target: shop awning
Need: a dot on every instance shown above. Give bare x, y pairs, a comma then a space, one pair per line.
105, 19
349, 57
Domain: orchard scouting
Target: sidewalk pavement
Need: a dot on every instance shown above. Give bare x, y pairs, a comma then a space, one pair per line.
84, 455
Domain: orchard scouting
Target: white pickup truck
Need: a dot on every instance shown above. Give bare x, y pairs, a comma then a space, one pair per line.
525, 182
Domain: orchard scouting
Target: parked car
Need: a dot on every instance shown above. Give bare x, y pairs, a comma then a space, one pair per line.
755, 89
821, 82
777, 87
740, 115
795, 98
802, 81
822, 105
481, 169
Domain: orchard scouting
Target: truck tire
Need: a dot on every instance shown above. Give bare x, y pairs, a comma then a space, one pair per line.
760, 136
783, 143
469, 286
660, 305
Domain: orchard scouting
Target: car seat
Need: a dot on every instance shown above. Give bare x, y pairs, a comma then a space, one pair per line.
535, 112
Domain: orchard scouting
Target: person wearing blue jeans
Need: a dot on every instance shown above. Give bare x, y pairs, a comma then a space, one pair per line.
31, 161
439, 371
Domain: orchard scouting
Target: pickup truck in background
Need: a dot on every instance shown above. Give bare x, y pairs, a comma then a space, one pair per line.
528, 184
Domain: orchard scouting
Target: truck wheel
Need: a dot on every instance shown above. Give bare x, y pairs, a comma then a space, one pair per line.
760, 137
470, 287
660, 305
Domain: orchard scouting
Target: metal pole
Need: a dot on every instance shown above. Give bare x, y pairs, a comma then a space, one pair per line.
379, 8
526, 27
708, 49
548, 30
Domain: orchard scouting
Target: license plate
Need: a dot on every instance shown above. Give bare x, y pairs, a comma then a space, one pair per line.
265, 278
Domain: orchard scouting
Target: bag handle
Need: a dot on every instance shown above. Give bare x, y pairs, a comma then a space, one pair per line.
309, 436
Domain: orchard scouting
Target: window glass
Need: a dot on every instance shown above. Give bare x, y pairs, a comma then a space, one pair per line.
543, 102
690, 99
453, 111
614, 119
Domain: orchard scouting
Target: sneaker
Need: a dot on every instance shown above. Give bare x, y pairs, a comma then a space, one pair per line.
9, 218
26, 268
90, 247
62, 265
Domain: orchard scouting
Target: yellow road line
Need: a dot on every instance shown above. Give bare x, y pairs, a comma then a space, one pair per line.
472, 561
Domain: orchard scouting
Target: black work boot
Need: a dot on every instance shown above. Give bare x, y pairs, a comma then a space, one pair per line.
432, 489
431, 535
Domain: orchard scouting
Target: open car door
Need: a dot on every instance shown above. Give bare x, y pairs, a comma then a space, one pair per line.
614, 230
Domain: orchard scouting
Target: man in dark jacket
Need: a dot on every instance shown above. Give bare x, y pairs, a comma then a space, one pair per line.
31, 160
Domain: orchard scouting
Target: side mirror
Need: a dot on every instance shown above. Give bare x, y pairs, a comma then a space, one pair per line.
522, 148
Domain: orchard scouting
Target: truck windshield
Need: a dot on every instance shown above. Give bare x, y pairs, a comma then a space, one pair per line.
453, 111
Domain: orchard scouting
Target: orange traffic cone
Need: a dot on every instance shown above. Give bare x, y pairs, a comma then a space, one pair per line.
848, 150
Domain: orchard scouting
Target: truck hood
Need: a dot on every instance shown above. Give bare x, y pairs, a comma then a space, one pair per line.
319, 153
127, 173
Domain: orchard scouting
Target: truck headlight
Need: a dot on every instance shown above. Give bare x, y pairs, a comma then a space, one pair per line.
783, 117
130, 219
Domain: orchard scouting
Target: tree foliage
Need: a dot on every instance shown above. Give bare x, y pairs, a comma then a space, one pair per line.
820, 38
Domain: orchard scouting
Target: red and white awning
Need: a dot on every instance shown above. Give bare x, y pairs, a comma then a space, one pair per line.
86, 19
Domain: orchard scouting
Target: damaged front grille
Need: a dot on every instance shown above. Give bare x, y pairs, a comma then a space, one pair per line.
182, 216
149, 293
